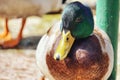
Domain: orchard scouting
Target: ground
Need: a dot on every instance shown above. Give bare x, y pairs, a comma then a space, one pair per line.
18, 65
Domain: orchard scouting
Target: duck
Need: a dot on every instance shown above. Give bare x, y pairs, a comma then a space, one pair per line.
10, 9
74, 48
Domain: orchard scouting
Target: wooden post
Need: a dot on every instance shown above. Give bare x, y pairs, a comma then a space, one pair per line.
107, 19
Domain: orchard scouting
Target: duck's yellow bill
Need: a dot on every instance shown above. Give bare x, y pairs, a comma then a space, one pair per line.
64, 46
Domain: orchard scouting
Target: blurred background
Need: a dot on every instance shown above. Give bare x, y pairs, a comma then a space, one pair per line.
18, 63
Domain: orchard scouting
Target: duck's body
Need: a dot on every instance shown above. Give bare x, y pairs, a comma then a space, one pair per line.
23, 9
26, 8
89, 58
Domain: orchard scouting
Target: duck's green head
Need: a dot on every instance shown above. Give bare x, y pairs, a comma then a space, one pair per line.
77, 21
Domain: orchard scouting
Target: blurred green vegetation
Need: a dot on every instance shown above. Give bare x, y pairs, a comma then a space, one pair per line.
34, 26
47, 21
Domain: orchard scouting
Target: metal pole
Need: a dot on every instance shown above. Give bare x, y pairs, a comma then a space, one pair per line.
107, 19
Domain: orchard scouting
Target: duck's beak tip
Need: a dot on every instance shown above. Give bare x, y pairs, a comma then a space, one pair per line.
57, 57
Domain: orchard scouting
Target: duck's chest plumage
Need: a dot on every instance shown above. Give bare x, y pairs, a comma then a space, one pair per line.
90, 58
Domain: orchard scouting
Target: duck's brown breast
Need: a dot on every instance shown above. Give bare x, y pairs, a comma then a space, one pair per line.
85, 61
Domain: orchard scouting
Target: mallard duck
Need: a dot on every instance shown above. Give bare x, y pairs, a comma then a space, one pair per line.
73, 49
23, 9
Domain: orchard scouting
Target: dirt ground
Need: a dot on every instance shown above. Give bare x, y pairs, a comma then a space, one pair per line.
18, 65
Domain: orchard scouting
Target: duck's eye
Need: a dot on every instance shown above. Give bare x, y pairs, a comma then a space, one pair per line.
78, 19
67, 38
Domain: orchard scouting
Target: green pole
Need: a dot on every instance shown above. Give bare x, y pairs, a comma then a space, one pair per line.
107, 19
